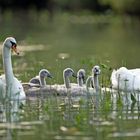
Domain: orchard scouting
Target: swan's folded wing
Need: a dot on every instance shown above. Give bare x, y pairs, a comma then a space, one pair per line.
18, 88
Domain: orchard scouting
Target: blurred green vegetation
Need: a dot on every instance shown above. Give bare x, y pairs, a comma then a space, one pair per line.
131, 7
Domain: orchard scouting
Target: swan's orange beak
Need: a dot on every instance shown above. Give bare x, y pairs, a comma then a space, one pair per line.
14, 48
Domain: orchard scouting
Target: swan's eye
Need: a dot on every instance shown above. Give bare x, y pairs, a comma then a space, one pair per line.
13, 44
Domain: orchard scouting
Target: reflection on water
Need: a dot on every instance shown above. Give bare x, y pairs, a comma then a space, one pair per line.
80, 118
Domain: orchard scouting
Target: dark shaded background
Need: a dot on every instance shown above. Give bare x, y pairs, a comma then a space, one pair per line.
131, 7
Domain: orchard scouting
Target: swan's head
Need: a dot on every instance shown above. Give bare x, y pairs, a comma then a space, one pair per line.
11, 43
45, 73
81, 74
68, 72
96, 70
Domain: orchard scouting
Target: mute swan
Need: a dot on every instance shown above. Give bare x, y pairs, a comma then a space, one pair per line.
56, 89
127, 80
93, 81
81, 77
40, 79
9, 85
67, 73
37, 81
67, 86
92, 86
79, 87
98, 90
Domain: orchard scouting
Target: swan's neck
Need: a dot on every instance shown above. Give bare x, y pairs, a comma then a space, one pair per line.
42, 81
67, 82
9, 76
80, 81
88, 82
96, 82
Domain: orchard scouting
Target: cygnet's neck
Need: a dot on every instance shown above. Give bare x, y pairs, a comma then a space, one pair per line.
66, 81
42, 81
9, 76
88, 82
80, 81
96, 82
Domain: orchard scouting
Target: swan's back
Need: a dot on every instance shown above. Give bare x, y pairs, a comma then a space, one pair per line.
35, 80
126, 80
135, 71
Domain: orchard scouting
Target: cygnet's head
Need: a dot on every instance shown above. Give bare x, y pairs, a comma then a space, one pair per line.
96, 70
11, 43
45, 73
68, 72
81, 74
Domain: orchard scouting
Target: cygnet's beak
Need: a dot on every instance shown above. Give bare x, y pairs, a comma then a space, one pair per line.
97, 72
50, 76
14, 48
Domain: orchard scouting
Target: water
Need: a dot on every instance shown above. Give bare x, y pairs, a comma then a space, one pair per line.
77, 41
50, 119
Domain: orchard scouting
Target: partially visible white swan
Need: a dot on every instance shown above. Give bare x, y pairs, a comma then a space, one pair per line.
127, 81
40, 79
9, 85
93, 81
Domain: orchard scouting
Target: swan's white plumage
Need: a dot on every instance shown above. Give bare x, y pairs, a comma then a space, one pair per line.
127, 80
8, 83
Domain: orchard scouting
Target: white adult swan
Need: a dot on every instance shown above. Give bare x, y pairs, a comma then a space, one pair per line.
127, 80
9, 85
